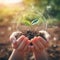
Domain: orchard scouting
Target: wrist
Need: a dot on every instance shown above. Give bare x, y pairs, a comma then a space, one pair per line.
41, 56
16, 55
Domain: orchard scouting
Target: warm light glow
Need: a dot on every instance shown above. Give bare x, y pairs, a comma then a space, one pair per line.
9, 1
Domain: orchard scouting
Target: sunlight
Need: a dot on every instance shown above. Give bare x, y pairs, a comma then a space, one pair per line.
9, 1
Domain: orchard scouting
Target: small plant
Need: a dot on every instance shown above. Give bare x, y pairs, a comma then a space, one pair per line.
30, 18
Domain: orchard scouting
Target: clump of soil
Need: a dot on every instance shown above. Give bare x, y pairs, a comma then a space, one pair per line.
31, 34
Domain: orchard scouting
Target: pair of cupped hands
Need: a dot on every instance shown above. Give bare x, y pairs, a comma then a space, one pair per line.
22, 44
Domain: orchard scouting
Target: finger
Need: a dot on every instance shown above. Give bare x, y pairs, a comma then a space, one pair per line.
34, 50
34, 41
46, 34
26, 48
12, 38
17, 42
20, 39
23, 44
14, 45
40, 45
29, 48
42, 41
14, 34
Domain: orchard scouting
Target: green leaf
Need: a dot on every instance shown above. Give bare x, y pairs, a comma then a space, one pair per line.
35, 21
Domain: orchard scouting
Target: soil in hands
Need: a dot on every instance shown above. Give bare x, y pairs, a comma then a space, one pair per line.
31, 34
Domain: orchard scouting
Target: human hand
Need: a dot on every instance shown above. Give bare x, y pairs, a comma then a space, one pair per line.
38, 48
20, 47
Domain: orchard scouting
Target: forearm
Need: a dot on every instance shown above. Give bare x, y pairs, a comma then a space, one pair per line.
16, 56
42, 56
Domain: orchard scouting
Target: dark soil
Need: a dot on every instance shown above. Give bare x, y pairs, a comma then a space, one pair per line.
31, 34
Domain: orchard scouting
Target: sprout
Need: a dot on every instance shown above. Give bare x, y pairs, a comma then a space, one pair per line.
30, 17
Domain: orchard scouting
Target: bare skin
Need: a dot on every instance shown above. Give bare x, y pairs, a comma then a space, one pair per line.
38, 48
21, 47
